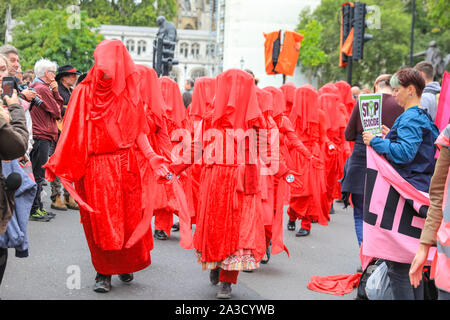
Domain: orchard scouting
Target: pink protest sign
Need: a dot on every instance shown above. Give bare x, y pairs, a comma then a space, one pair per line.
394, 213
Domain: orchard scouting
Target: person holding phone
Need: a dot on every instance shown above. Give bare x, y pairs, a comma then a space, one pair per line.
45, 129
13, 144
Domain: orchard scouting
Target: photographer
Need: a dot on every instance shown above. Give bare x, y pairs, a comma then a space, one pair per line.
14, 70
13, 144
45, 131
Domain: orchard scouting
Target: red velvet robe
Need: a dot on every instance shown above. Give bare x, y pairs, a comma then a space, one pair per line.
97, 150
230, 228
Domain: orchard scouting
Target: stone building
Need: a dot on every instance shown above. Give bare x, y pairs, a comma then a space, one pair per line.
196, 45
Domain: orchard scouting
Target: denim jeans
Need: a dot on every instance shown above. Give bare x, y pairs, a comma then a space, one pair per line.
39, 157
401, 286
358, 206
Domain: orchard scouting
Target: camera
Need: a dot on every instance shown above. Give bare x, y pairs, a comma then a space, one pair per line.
36, 100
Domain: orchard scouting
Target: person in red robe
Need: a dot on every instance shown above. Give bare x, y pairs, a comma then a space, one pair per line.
289, 96
308, 122
200, 110
229, 235
104, 131
274, 190
176, 119
330, 103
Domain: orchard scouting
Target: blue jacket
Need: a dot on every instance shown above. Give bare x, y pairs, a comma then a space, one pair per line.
409, 147
16, 231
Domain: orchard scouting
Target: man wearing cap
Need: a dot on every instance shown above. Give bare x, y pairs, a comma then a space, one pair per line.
66, 77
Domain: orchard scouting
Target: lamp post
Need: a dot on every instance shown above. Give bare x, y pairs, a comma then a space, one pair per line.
413, 22
68, 53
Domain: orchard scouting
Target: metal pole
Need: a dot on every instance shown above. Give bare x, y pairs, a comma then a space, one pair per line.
413, 4
349, 70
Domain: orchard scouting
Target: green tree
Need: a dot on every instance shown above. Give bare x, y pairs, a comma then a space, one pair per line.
390, 47
52, 34
311, 55
117, 12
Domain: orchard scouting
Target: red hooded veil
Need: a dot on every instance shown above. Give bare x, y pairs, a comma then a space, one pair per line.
289, 95
202, 97
97, 151
174, 106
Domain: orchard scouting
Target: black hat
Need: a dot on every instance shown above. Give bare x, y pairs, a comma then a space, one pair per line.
65, 71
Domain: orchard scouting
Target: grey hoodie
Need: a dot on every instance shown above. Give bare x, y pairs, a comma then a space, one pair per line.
428, 101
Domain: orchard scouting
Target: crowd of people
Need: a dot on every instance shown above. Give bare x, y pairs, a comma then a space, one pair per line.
123, 146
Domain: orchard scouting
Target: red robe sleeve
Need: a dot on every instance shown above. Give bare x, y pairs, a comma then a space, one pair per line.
70, 158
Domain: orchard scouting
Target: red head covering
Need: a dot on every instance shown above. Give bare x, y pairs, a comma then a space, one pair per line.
114, 102
279, 103
150, 92
174, 106
306, 105
235, 103
202, 96
330, 88
289, 95
329, 103
265, 100
113, 105
346, 95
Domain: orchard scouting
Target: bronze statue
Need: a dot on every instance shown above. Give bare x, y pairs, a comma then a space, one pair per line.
434, 56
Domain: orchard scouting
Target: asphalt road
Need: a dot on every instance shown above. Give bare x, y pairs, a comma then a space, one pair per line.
58, 250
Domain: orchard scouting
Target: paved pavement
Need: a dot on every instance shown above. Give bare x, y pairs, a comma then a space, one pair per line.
58, 248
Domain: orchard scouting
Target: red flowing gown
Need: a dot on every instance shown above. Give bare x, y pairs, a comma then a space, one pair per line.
97, 151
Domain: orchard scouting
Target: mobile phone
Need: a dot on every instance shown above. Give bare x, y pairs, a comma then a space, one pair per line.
8, 84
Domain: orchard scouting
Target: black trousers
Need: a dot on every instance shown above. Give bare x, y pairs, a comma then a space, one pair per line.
3, 259
39, 156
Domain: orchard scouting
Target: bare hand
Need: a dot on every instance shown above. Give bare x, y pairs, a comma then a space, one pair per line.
5, 114
24, 159
385, 130
54, 86
12, 100
29, 94
416, 270
367, 137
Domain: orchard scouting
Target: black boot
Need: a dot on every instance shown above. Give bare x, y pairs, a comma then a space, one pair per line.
267, 255
214, 276
332, 210
291, 225
225, 291
161, 235
102, 283
126, 277
302, 233
176, 226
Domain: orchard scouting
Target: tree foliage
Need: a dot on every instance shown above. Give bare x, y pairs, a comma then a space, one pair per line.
118, 12
387, 51
55, 35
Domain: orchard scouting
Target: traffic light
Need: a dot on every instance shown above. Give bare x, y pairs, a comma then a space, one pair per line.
346, 40
360, 24
163, 56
